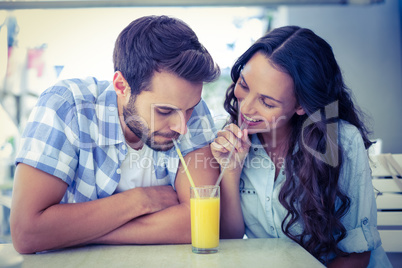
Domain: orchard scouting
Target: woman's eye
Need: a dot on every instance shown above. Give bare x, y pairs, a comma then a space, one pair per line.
240, 83
266, 104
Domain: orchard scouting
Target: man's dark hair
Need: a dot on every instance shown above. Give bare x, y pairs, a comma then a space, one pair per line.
161, 43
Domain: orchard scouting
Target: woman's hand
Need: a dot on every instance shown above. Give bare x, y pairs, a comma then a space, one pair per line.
231, 136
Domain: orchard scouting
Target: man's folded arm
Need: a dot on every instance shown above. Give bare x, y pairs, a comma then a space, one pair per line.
171, 225
39, 222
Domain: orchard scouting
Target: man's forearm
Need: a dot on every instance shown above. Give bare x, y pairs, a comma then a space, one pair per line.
65, 225
168, 226
38, 222
173, 224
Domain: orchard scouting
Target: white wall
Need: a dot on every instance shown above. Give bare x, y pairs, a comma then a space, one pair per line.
367, 44
82, 41
366, 41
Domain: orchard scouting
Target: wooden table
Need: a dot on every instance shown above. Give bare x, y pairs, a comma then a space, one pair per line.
232, 253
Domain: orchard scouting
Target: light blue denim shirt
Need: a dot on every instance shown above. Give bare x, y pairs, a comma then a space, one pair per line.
263, 213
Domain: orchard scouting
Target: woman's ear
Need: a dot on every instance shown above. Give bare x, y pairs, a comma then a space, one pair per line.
120, 84
300, 110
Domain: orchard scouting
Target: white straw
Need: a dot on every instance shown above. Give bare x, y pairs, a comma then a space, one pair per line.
230, 156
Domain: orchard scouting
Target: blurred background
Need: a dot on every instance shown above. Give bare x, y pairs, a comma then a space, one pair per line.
44, 41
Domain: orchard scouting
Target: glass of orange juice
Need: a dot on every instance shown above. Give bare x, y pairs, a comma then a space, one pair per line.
205, 203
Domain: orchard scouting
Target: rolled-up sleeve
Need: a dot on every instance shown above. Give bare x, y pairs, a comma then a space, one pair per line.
355, 181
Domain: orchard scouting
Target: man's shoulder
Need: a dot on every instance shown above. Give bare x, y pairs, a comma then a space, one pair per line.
85, 89
201, 118
81, 103
201, 108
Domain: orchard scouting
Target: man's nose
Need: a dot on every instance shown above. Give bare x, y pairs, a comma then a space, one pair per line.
179, 123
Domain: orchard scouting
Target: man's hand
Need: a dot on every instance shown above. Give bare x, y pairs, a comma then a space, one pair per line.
172, 224
159, 197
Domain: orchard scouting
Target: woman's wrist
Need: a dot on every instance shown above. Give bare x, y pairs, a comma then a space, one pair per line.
232, 176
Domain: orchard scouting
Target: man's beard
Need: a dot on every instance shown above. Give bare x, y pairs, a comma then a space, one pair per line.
134, 123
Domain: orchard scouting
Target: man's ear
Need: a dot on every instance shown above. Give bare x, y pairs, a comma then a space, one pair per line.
120, 84
300, 110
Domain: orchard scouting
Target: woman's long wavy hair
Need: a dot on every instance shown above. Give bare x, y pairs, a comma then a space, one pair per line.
310, 193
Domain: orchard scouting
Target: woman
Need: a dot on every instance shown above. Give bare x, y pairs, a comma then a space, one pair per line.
299, 153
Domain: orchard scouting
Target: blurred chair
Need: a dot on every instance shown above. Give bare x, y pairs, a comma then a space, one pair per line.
5, 202
376, 148
3, 56
388, 185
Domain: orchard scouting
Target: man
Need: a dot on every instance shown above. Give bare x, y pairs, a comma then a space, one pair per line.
97, 163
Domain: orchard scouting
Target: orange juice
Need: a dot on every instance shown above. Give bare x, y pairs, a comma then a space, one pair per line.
205, 223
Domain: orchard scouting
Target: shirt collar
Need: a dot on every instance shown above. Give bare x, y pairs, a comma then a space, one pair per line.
257, 150
256, 147
110, 131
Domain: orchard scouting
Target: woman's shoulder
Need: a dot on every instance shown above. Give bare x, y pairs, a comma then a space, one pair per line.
349, 135
355, 171
352, 144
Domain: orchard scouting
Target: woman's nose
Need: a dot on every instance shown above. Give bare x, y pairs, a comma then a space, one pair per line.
247, 105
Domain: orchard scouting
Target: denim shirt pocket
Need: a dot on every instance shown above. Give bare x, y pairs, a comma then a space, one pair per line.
249, 203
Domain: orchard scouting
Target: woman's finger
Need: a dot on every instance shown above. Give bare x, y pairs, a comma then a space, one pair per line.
218, 147
224, 143
235, 130
232, 135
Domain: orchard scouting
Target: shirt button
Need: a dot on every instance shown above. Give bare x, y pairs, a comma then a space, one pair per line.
124, 147
365, 221
118, 171
268, 198
112, 108
255, 149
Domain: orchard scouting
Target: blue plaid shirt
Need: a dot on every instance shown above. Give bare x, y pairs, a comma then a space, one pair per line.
74, 133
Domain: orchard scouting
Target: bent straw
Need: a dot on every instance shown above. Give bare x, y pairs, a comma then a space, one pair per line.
185, 167
229, 156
